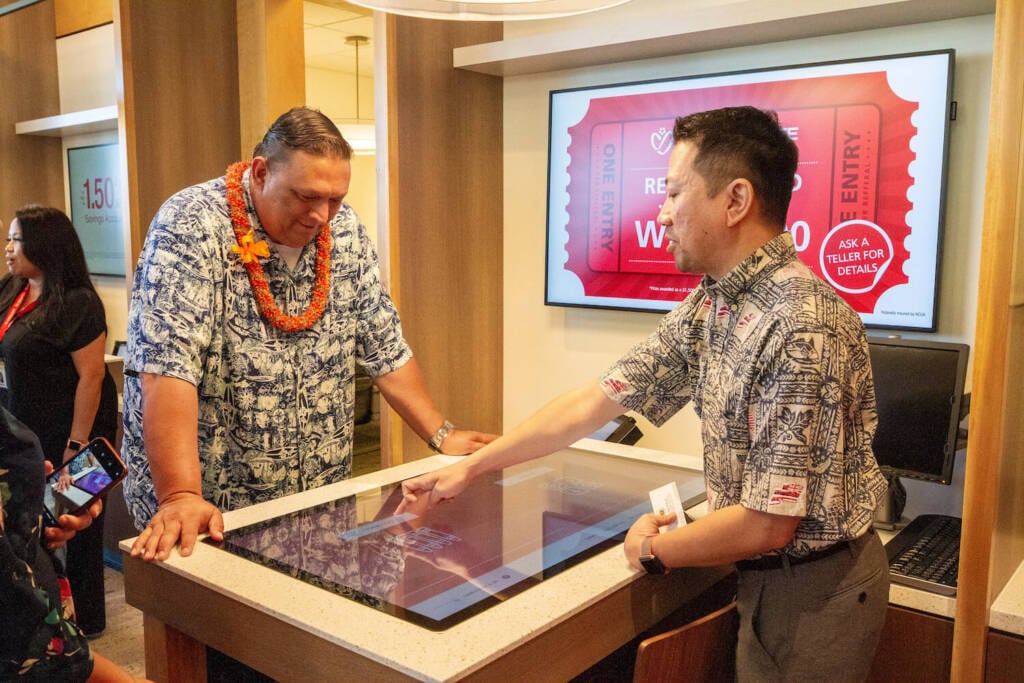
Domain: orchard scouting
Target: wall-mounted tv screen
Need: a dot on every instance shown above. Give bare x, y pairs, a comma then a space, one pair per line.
868, 197
95, 198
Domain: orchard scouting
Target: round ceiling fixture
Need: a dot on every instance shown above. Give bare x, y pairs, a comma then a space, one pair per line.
487, 10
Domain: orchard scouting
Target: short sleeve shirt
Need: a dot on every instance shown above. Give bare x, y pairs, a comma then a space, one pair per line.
40, 372
778, 369
276, 409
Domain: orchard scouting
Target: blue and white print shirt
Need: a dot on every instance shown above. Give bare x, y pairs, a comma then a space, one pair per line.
276, 408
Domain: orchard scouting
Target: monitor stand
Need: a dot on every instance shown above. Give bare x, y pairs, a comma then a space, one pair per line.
889, 513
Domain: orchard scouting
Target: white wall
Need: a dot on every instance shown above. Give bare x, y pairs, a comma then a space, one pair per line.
333, 93
85, 69
548, 350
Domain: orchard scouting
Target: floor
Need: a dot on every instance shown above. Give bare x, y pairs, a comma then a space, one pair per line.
122, 640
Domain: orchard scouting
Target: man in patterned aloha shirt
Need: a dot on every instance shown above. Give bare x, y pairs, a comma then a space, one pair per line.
239, 376
777, 367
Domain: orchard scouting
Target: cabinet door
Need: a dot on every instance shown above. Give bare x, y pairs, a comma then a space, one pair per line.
914, 647
1004, 660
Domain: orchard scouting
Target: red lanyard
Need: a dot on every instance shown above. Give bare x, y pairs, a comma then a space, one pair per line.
16, 310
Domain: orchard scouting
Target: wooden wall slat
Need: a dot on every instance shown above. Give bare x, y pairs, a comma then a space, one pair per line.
445, 177
32, 166
272, 65
72, 16
179, 101
989, 547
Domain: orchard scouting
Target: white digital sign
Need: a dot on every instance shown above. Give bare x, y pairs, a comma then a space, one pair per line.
95, 196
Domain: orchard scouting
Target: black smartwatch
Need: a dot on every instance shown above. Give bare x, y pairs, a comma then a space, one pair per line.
75, 446
648, 560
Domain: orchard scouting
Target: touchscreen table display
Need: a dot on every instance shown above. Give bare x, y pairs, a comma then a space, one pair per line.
506, 532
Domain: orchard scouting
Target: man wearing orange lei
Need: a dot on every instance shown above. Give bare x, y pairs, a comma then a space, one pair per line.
254, 297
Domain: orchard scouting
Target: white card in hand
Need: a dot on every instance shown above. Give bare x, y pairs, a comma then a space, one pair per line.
665, 499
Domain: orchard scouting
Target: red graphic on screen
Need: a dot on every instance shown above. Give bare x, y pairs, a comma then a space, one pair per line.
849, 206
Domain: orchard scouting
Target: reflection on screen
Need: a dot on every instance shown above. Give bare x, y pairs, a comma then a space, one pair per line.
74, 485
508, 531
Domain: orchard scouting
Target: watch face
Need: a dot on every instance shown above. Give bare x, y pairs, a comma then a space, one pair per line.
652, 564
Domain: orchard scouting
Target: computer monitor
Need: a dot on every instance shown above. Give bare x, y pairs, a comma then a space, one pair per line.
919, 390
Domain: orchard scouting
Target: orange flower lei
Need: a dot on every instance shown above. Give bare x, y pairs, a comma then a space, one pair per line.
249, 251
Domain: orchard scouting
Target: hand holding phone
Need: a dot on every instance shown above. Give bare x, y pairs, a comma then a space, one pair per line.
88, 475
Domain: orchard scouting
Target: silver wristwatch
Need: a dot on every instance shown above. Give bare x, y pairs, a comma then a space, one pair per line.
440, 435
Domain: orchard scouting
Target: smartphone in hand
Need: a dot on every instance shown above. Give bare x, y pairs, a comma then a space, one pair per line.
92, 471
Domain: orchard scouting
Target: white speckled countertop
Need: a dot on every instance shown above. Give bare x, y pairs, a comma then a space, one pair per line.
1007, 612
405, 647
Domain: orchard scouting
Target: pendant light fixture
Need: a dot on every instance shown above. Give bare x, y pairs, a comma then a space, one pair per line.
487, 10
359, 134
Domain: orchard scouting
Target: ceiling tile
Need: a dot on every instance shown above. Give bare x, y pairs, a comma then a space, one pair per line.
326, 28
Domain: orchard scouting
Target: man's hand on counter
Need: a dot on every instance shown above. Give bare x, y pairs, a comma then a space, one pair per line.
465, 441
436, 487
181, 518
646, 525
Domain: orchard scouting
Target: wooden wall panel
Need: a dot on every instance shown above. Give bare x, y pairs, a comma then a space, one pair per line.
914, 647
445, 208
272, 65
179, 102
1005, 658
990, 546
72, 16
32, 166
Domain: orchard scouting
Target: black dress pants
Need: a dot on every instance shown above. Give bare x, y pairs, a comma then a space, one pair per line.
84, 567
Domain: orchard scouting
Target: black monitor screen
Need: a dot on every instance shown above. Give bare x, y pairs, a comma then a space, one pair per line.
919, 387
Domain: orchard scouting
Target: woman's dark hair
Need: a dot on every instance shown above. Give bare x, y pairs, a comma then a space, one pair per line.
49, 240
303, 129
743, 142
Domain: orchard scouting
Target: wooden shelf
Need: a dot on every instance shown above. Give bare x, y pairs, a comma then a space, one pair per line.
74, 123
743, 22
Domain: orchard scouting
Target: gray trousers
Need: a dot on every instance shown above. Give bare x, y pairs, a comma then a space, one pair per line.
818, 621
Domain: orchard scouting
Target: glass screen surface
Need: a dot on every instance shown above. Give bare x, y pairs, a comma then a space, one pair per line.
507, 532
867, 210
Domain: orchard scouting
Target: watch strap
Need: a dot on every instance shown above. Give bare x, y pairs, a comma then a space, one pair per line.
440, 435
648, 560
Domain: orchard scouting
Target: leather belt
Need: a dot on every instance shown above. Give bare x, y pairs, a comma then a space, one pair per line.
768, 562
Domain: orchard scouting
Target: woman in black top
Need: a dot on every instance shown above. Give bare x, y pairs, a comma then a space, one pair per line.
53, 376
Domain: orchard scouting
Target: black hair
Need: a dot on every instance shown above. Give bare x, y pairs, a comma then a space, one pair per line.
303, 129
743, 142
49, 240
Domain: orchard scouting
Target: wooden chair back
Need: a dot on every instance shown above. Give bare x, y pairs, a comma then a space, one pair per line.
703, 651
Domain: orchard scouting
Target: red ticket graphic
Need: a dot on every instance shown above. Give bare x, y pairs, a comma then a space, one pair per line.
629, 182
851, 187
